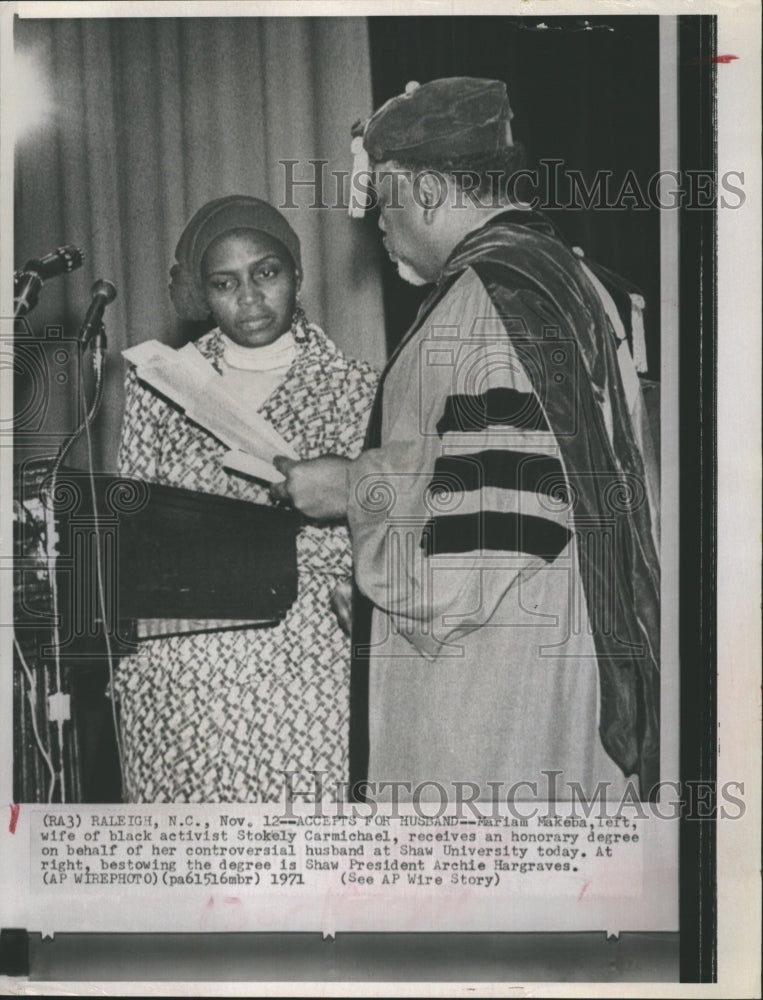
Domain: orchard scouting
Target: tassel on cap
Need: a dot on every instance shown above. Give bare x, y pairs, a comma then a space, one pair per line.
360, 165
637, 334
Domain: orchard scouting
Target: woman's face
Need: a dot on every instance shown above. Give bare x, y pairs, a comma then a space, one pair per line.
251, 286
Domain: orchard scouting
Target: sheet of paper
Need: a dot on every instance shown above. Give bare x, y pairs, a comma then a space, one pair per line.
191, 382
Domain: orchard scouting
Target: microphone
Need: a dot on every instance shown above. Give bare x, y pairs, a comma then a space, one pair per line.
103, 292
28, 281
62, 260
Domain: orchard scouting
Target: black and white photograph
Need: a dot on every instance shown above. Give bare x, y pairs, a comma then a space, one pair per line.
369, 426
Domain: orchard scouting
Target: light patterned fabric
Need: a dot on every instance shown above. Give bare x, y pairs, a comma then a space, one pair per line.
219, 716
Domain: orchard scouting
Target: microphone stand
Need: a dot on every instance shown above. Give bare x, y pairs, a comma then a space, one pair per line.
92, 329
99, 344
26, 291
99, 348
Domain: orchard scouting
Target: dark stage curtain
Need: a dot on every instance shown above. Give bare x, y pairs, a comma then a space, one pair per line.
584, 92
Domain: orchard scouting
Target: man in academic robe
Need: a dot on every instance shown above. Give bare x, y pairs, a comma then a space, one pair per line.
503, 524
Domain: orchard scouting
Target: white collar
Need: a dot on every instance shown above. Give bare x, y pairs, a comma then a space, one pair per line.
279, 354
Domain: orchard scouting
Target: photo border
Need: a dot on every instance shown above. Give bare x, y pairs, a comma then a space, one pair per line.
699, 516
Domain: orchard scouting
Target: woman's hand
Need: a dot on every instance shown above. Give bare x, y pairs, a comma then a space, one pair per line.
317, 487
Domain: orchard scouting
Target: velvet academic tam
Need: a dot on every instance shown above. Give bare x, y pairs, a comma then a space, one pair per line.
443, 119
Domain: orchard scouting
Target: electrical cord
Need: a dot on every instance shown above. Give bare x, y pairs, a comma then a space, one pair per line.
32, 698
99, 556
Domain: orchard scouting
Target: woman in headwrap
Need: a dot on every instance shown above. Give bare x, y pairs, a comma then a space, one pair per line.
219, 716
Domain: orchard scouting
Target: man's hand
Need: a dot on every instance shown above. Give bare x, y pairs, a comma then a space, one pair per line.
317, 487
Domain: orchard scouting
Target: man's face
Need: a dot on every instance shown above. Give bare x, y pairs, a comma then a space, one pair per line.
401, 220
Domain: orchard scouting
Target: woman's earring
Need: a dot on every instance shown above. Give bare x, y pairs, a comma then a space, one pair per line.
299, 317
